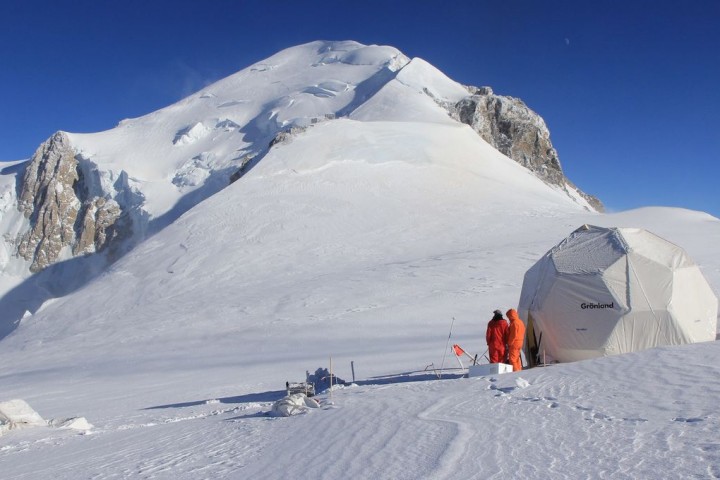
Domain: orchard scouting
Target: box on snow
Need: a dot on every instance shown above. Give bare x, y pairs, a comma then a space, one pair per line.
489, 369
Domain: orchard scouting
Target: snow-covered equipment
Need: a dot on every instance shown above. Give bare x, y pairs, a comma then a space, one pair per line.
323, 379
18, 414
306, 388
489, 369
606, 291
293, 405
74, 423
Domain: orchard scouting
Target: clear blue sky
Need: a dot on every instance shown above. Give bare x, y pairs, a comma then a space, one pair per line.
629, 89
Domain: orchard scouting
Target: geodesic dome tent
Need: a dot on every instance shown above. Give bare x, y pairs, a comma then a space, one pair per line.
605, 291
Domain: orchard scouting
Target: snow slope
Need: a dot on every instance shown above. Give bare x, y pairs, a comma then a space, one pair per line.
363, 253
359, 239
176, 150
158, 166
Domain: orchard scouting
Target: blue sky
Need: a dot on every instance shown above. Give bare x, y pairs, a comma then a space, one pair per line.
629, 89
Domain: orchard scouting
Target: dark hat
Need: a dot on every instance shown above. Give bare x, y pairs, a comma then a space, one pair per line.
498, 312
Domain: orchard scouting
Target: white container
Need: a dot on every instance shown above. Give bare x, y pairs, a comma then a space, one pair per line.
489, 369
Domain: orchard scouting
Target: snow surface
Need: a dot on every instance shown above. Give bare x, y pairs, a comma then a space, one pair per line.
359, 240
238, 116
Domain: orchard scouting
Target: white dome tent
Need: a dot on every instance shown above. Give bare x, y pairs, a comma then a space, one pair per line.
606, 291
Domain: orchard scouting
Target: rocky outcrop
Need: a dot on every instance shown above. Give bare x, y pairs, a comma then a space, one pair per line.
47, 199
98, 226
64, 219
511, 127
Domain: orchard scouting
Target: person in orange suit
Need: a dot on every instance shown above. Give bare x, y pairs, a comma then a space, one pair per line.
495, 337
514, 339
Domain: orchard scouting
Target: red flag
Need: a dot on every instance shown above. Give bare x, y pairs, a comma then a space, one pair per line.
458, 351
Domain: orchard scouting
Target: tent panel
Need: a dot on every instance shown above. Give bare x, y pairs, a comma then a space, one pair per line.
694, 305
650, 284
565, 355
578, 315
534, 283
638, 331
615, 279
588, 252
654, 248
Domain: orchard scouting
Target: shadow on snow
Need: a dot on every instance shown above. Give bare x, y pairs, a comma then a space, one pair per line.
274, 395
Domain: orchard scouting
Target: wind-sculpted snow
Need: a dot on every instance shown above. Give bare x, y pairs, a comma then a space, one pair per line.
635, 416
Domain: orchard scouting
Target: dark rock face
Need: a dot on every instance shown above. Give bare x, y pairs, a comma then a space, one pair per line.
512, 128
61, 216
97, 226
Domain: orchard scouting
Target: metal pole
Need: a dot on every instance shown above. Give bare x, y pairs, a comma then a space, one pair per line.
331, 378
446, 346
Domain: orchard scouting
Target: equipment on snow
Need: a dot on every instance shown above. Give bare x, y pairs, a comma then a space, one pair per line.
488, 369
324, 379
306, 388
459, 352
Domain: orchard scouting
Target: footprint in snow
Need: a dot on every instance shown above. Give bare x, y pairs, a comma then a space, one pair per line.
502, 390
594, 416
687, 420
635, 420
709, 447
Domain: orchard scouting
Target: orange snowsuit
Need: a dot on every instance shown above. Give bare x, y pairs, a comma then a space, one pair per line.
495, 339
514, 339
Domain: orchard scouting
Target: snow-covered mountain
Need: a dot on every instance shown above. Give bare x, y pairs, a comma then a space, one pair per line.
106, 192
374, 223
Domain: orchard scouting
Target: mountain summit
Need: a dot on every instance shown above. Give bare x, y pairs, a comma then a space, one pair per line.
83, 194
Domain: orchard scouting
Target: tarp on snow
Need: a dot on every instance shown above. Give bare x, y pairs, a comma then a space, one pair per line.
606, 291
294, 404
18, 414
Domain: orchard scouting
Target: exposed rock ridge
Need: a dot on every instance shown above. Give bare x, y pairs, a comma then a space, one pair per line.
64, 219
515, 130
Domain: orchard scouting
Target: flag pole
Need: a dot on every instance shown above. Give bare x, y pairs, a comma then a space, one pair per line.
331, 380
446, 347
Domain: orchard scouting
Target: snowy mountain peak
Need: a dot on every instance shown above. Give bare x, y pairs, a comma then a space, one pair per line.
122, 185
